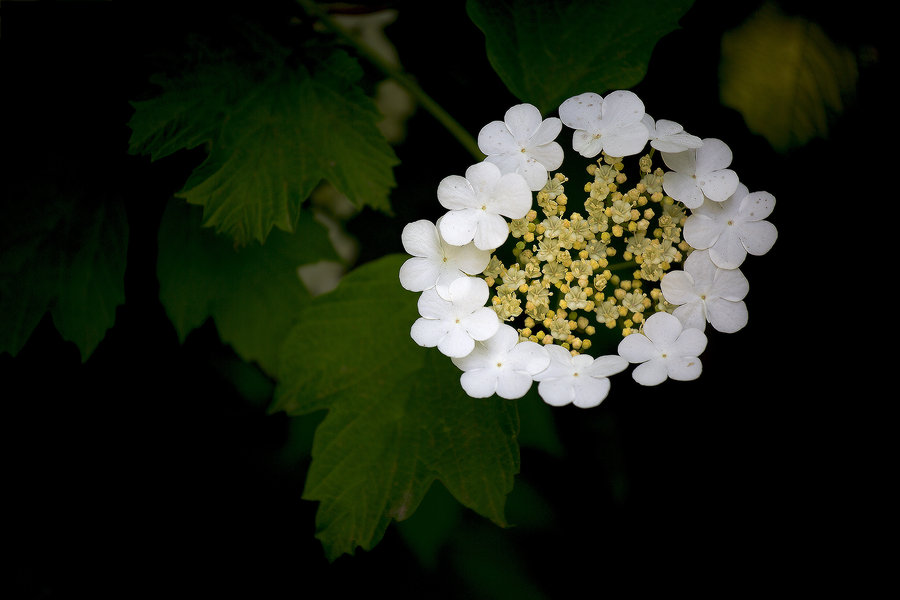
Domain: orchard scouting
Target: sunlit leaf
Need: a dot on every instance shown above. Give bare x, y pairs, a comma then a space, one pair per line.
271, 139
397, 417
547, 51
254, 294
785, 76
65, 253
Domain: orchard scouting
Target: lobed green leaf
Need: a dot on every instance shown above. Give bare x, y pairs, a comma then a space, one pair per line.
397, 417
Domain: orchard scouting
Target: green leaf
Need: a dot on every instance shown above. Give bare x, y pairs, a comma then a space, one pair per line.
65, 253
254, 293
548, 51
271, 140
785, 76
397, 417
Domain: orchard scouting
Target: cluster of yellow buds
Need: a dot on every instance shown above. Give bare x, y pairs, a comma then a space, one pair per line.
587, 266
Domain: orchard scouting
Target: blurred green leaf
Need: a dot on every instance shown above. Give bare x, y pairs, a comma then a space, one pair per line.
397, 416
785, 76
272, 138
254, 294
546, 51
63, 252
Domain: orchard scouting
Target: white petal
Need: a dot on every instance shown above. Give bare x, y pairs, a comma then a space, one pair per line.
683, 187
528, 357
509, 162
586, 144
692, 315
728, 252
481, 324
726, 316
720, 185
662, 329
478, 358
445, 278
626, 140
604, 366
756, 206
420, 238
681, 162
491, 231
522, 120
691, 342
701, 231
468, 259
560, 364
622, 108
483, 177
510, 196
678, 287
503, 341
637, 348
557, 392
758, 237
546, 133
418, 274
479, 383
549, 155
714, 155
432, 306
428, 332
684, 369
582, 111
513, 384
456, 192
456, 343
534, 173
468, 293
458, 227
590, 391
495, 138
702, 270
652, 372
730, 284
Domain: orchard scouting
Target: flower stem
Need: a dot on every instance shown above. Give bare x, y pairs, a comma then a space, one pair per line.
397, 74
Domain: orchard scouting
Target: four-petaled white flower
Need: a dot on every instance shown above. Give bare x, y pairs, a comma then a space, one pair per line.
669, 136
700, 173
733, 228
455, 323
523, 142
477, 204
436, 263
704, 292
501, 365
665, 349
612, 124
580, 380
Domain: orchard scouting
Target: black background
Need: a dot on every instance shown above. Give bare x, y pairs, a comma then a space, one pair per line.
146, 471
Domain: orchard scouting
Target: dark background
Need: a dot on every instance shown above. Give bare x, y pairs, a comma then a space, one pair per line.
154, 468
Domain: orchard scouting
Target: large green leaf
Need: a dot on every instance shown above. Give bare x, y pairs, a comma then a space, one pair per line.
272, 134
253, 293
548, 50
63, 252
785, 76
397, 417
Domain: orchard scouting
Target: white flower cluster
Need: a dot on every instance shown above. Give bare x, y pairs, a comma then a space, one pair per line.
450, 258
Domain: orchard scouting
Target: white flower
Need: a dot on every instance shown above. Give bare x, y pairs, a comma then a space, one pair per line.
612, 124
733, 228
435, 263
580, 380
669, 136
700, 172
523, 143
453, 324
501, 365
704, 292
664, 349
477, 204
